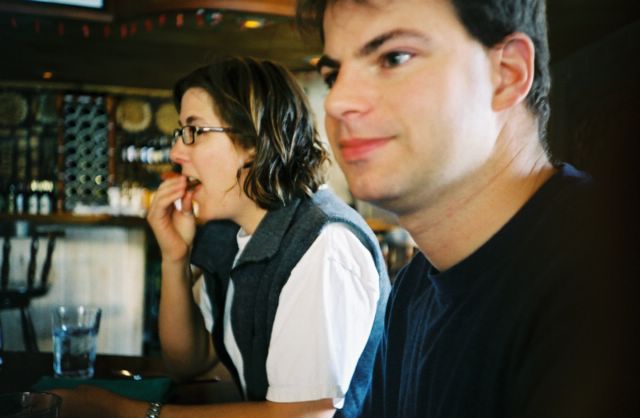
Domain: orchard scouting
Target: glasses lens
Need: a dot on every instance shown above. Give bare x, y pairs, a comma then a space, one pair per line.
189, 134
176, 134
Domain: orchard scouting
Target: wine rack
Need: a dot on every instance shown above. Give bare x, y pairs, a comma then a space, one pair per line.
73, 147
85, 150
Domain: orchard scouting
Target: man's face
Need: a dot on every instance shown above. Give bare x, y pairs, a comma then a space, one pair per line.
409, 110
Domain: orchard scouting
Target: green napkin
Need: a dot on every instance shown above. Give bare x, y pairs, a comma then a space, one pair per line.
150, 390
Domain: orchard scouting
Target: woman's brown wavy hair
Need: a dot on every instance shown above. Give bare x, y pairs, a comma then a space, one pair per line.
269, 113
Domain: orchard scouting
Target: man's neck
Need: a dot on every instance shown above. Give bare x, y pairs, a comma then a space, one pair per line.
469, 214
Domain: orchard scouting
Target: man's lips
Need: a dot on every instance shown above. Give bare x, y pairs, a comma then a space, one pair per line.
358, 149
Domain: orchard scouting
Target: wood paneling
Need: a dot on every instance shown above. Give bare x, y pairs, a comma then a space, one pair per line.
101, 266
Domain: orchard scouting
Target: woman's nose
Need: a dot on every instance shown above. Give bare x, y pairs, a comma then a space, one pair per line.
179, 152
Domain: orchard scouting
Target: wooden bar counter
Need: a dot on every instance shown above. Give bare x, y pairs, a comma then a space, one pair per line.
21, 370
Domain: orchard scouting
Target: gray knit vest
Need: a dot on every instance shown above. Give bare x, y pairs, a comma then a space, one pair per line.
281, 239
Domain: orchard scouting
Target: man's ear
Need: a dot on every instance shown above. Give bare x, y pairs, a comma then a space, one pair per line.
513, 70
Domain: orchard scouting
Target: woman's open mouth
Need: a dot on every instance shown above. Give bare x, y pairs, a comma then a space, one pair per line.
192, 183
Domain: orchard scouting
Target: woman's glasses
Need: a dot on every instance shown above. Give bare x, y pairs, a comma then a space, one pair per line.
188, 133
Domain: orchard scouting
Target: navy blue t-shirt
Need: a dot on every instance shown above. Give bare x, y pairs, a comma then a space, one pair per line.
518, 328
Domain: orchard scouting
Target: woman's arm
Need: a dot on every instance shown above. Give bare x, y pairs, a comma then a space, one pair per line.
90, 401
186, 344
322, 408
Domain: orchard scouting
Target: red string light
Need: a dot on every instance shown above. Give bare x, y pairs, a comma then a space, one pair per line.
200, 17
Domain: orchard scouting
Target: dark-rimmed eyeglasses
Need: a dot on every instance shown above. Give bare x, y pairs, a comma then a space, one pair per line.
189, 133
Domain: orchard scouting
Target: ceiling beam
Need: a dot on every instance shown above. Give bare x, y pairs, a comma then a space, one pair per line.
128, 9
50, 10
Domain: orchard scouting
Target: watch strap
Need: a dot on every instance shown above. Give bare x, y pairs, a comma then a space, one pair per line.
154, 410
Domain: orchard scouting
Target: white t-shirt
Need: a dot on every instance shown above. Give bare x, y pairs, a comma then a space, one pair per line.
324, 317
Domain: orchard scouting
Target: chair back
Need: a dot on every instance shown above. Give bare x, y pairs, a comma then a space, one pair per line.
35, 284
19, 297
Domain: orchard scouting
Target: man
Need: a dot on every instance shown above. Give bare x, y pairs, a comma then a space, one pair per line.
437, 111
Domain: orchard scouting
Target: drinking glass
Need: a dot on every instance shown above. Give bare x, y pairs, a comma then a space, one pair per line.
75, 330
29, 405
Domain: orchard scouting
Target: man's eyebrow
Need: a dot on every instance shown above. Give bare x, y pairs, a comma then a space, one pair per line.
371, 46
325, 61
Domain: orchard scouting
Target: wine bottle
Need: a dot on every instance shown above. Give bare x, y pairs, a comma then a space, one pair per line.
11, 199
45, 203
20, 198
3, 196
34, 198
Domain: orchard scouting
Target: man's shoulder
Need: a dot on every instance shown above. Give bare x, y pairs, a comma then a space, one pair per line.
566, 206
565, 188
411, 280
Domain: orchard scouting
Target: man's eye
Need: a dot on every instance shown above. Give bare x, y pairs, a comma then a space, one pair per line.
395, 58
330, 78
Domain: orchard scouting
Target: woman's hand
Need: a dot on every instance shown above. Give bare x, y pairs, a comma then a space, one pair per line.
90, 401
173, 229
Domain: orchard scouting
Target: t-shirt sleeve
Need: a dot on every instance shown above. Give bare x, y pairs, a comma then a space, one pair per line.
204, 303
323, 321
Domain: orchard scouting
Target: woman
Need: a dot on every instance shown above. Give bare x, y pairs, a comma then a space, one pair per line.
294, 284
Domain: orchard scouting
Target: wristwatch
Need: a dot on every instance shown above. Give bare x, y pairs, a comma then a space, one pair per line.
154, 410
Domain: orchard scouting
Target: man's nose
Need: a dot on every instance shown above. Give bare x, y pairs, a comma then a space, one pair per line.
352, 95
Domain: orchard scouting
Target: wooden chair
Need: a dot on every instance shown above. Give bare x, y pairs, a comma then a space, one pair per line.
20, 296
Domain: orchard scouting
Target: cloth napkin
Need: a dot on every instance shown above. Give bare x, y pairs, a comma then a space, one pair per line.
150, 390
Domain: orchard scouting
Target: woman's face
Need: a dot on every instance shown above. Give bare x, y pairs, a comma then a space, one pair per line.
212, 162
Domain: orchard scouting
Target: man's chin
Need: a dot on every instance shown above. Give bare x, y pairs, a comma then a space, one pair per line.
373, 197
382, 199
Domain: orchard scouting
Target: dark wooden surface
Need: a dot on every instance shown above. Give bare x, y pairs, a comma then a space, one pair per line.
72, 219
21, 370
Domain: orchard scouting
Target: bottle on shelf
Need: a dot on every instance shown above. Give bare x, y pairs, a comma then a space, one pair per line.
20, 198
45, 201
34, 198
11, 199
3, 196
